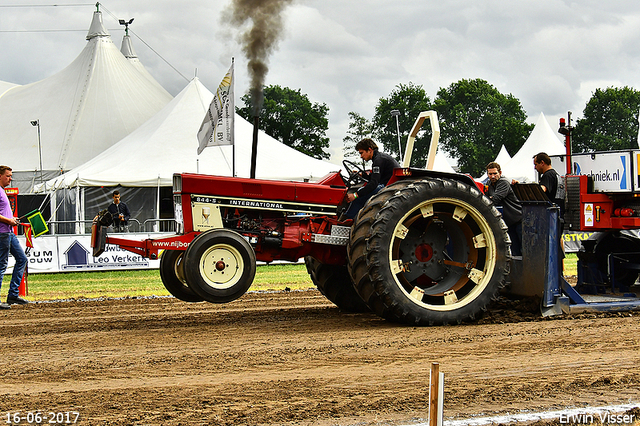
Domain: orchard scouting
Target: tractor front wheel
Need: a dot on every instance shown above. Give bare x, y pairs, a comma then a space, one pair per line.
172, 275
219, 265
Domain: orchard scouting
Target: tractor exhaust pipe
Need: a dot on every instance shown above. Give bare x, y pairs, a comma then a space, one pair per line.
254, 146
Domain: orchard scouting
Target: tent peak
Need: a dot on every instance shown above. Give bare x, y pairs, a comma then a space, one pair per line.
97, 29
127, 48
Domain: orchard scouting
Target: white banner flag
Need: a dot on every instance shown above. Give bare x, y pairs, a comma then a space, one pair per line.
217, 126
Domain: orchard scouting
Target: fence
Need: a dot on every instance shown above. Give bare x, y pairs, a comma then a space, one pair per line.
65, 227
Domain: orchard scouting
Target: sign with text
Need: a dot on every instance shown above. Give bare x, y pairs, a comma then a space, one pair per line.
72, 253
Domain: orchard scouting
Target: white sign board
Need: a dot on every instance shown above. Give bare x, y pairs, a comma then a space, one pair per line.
610, 171
73, 253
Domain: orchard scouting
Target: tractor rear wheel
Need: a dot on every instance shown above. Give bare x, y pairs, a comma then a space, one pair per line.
219, 265
432, 252
172, 275
335, 284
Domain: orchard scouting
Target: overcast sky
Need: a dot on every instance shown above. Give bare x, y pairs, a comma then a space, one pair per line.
348, 54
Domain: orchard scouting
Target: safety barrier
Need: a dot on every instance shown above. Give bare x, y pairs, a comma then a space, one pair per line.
159, 225
66, 227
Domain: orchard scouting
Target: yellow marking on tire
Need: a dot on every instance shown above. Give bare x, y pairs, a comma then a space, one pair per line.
479, 241
476, 275
401, 232
450, 297
396, 266
459, 214
417, 294
427, 210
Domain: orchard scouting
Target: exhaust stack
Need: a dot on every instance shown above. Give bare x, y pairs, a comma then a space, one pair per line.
254, 146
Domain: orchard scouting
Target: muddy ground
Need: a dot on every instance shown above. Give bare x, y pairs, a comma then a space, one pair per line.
292, 358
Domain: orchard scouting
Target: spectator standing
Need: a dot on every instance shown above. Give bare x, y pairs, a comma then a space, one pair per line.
502, 195
550, 181
120, 213
9, 243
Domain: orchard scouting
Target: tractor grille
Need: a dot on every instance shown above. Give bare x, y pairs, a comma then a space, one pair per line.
572, 203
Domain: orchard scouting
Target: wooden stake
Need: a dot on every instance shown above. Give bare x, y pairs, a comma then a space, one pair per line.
433, 394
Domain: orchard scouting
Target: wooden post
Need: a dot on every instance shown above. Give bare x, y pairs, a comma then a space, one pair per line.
436, 395
433, 394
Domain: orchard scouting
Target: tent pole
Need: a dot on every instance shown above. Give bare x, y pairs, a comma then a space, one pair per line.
82, 210
157, 221
54, 210
78, 202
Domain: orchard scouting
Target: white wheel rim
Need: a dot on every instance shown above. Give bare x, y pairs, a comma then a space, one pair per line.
221, 266
486, 249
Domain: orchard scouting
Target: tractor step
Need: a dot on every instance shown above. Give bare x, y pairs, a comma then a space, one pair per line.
339, 236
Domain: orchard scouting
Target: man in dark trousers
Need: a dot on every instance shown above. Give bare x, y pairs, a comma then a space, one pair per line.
502, 195
550, 181
120, 213
381, 171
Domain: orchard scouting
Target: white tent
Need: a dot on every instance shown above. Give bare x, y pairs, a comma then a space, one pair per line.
503, 157
167, 144
441, 164
82, 110
129, 53
541, 139
4, 86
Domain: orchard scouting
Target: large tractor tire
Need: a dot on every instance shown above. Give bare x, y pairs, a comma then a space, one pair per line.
219, 265
429, 252
172, 275
335, 284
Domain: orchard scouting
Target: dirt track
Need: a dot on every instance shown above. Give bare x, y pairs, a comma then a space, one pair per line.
292, 358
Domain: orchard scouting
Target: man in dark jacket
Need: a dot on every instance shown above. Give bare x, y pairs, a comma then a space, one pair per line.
502, 195
381, 171
550, 180
120, 213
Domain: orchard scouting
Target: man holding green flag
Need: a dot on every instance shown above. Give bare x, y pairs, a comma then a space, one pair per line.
9, 243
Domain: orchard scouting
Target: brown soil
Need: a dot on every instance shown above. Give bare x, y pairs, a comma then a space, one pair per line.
292, 358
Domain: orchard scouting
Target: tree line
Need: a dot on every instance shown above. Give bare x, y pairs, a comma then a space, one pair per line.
475, 121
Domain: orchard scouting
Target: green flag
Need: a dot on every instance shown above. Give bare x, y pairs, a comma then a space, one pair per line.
38, 224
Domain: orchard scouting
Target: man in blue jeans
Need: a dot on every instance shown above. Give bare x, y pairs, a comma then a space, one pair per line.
9, 243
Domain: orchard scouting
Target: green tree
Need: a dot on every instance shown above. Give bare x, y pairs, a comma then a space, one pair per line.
410, 100
359, 128
289, 116
610, 121
476, 120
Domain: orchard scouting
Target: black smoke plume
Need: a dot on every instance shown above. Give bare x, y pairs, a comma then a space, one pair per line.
262, 24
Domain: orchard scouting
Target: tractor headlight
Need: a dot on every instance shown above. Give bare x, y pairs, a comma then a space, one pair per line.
177, 213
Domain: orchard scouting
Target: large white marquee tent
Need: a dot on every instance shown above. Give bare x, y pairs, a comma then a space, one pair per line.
82, 110
167, 144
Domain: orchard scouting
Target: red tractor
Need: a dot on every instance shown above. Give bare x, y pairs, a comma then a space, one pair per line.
430, 248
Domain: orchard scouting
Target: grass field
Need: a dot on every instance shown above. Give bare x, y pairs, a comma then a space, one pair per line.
139, 283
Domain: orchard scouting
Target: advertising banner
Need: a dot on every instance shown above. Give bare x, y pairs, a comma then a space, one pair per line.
73, 253
610, 171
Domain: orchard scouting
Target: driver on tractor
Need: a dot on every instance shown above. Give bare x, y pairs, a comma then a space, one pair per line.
381, 172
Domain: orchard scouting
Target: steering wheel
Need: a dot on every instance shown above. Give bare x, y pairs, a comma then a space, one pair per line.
356, 173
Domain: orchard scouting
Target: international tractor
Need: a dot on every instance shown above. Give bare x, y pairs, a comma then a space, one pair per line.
430, 248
